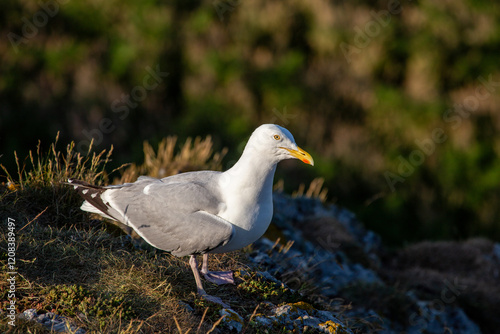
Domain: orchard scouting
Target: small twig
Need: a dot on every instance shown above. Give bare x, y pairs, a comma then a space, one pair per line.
201, 322
216, 324
276, 243
38, 215
178, 326
250, 320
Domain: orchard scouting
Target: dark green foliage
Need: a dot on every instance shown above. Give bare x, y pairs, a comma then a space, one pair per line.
72, 300
263, 290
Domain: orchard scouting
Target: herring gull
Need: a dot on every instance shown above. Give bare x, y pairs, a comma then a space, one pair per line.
203, 212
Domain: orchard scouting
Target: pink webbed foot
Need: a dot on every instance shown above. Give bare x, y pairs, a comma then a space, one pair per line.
219, 277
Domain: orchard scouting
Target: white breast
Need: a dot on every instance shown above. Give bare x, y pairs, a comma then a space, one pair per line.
247, 192
250, 221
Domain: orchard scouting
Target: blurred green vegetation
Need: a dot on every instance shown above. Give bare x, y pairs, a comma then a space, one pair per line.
363, 85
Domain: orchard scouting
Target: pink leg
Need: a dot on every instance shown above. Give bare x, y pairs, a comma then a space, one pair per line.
217, 277
194, 267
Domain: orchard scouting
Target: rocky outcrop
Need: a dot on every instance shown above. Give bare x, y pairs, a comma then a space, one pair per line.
298, 316
51, 321
326, 253
303, 315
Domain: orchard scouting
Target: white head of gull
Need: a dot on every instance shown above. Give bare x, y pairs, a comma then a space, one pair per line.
201, 212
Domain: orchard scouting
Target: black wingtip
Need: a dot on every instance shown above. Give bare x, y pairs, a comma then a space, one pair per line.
79, 183
92, 194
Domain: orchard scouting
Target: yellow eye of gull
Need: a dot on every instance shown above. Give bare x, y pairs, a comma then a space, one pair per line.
277, 137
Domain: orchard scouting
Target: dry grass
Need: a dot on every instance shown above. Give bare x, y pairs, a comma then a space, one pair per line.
122, 289
315, 190
55, 166
163, 162
37, 189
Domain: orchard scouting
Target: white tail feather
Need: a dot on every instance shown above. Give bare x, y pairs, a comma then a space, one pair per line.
86, 206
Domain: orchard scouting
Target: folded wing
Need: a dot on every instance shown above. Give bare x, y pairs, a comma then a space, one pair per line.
177, 217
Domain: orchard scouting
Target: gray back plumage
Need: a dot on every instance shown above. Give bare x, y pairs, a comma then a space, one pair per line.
176, 214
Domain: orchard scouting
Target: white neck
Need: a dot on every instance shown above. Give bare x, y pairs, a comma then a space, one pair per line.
252, 174
248, 197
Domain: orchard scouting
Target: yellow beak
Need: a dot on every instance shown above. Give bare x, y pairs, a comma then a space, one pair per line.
301, 155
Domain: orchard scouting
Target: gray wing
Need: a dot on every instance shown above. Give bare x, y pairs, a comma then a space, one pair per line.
176, 217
